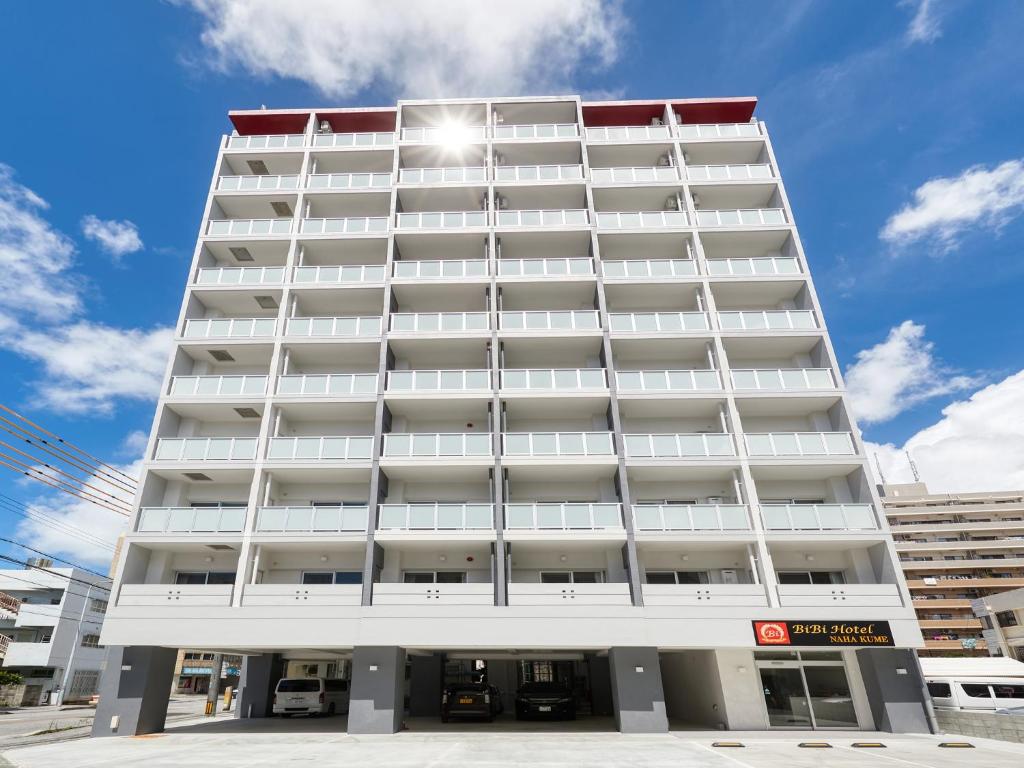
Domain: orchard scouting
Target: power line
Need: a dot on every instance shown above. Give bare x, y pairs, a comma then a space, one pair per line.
7, 504
54, 557
84, 482
52, 572
35, 474
37, 585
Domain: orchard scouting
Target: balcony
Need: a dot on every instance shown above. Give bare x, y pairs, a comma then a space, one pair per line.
528, 593
679, 446
548, 218
352, 225
746, 172
29, 654
333, 384
191, 520
538, 173
444, 269
641, 219
440, 322
804, 444
554, 379
742, 217
628, 133
341, 448
230, 328
820, 595
563, 517
9, 606
353, 140
252, 385
335, 275
578, 267
317, 181
634, 175
175, 595
753, 267
442, 220
278, 141
437, 516
438, 381
771, 319
719, 131
557, 444
433, 594
537, 131
315, 595
782, 379
248, 227
366, 326
670, 518
688, 380
4, 643
467, 175
444, 134
257, 183
553, 320
649, 269
644, 323
228, 276
705, 595
819, 517
431, 445
310, 520
185, 449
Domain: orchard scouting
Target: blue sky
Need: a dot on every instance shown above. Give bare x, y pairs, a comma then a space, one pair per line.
897, 127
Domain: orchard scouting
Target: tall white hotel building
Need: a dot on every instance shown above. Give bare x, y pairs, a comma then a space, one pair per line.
534, 388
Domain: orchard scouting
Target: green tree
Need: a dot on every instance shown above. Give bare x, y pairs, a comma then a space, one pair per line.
9, 678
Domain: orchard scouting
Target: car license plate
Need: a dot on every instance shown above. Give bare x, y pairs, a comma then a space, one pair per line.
465, 700
543, 709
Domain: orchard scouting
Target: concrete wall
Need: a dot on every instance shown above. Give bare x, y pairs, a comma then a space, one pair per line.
741, 689
133, 691
984, 724
892, 679
693, 691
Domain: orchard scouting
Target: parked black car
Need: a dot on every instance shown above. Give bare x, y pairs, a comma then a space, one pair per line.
545, 700
471, 700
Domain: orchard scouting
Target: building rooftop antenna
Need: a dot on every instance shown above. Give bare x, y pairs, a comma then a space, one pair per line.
913, 467
878, 466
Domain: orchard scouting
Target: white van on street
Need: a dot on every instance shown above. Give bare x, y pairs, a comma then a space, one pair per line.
310, 696
977, 693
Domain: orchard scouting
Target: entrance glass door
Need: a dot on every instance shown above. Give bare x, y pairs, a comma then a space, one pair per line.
785, 697
806, 690
831, 701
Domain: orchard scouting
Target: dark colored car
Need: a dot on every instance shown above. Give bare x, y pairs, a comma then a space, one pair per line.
548, 700
470, 700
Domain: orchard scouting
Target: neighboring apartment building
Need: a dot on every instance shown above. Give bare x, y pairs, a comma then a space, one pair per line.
528, 389
1002, 621
50, 621
955, 548
193, 671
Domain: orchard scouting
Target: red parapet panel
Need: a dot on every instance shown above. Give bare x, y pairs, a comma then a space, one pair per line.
715, 111
267, 122
359, 121
622, 113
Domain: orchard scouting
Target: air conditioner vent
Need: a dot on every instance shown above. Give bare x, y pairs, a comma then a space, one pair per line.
258, 167
221, 355
241, 254
198, 477
266, 302
220, 547
247, 413
282, 208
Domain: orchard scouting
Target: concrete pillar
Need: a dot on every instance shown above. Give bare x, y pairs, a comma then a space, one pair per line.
637, 692
256, 685
134, 690
895, 688
378, 689
425, 682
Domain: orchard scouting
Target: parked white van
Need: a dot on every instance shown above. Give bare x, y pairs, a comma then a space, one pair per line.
977, 693
310, 696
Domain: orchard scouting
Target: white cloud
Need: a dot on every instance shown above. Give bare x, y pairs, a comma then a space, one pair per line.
924, 27
977, 445
440, 48
945, 207
116, 238
897, 374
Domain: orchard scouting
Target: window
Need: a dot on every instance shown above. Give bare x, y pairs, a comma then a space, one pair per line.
571, 577
939, 690
1004, 691
318, 578
332, 577
83, 684
98, 606
204, 577
677, 577
811, 577
91, 641
1006, 619
976, 690
434, 577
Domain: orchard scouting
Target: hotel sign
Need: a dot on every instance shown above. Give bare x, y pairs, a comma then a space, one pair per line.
830, 633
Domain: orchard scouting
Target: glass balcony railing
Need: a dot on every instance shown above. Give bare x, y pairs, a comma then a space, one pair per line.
683, 380
445, 134
568, 516
455, 175
438, 516
549, 218
551, 320
770, 319
439, 322
257, 183
657, 322
442, 269
248, 227
544, 267
350, 518
205, 449
538, 173
378, 139
541, 444
277, 141
679, 446
442, 220
800, 444
364, 326
438, 381
240, 276
719, 131
353, 225
348, 273
647, 269
345, 448
747, 172
691, 517
819, 517
749, 217
634, 175
537, 131
219, 386
761, 265
191, 519
786, 379
558, 379
230, 328
628, 133
641, 219
348, 181
312, 384
437, 445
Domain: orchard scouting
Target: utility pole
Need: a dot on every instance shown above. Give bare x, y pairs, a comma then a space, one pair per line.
78, 639
214, 690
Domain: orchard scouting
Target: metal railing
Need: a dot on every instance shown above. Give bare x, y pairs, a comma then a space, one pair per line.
443, 269
366, 325
682, 380
444, 134
257, 183
634, 175
768, 319
558, 444
248, 227
348, 181
718, 131
571, 217
741, 217
538, 173
9, 603
554, 378
435, 516
536, 131
758, 265
240, 276
628, 133
191, 519
352, 225
436, 444
649, 268
439, 322
783, 378
743, 172
219, 386
545, 267
230, 327
563, 516
377, 139
800, 444
641, 219
691, 517
454, 175
274, 141
818, 517
327, 384
550, 320
442, 219
438, 380
205, 449
344, 519
657, 322
346, 447
678, 445
348, 273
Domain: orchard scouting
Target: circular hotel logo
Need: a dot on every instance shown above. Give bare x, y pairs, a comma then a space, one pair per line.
771, 633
